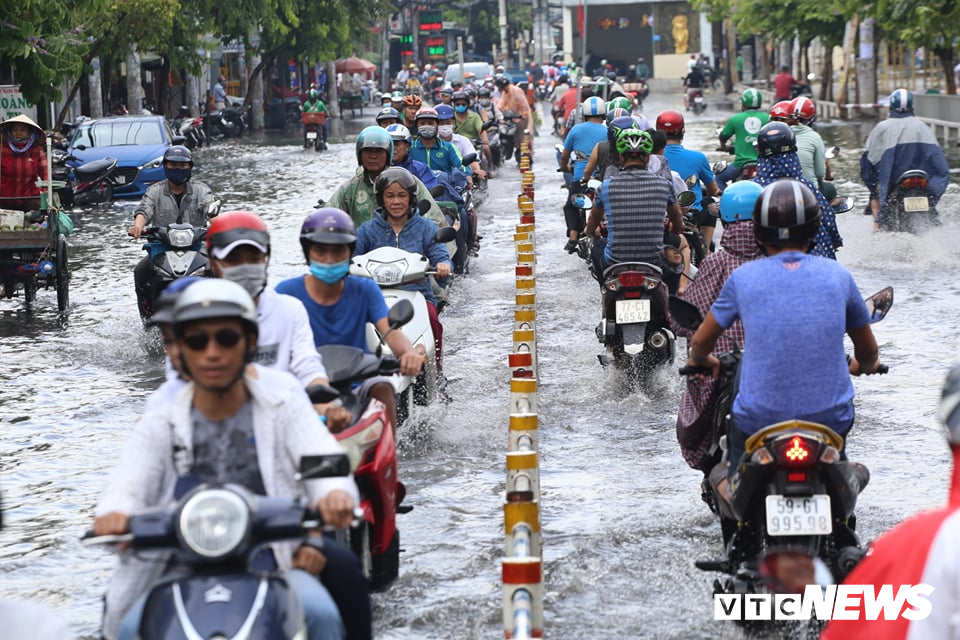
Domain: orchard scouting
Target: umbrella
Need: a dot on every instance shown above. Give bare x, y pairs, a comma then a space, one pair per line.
354, 64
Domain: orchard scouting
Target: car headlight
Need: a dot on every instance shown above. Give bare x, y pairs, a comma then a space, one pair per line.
388, 273
214, 523
156, 163
180, 238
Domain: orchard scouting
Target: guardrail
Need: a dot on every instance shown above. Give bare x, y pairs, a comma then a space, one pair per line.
522, 570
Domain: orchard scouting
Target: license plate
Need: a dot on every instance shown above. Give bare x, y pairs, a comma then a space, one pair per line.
633, 311
311, 135
120, 179
916, 203
698, 99
806, 516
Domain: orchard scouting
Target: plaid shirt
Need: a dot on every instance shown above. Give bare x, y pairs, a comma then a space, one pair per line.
19, 171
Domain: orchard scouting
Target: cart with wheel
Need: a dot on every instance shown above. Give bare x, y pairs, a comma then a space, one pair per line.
33, 252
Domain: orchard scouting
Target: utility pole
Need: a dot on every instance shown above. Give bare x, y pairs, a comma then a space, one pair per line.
504, 44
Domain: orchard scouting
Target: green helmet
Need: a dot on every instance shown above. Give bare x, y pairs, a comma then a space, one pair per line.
634, 141
374, 137
620, 102
751, 99
314, 94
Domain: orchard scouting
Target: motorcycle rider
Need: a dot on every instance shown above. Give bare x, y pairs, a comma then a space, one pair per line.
581, 140
469, 124
437, 154
920, 550
690, 163
777, 149
694, 82
313, 104
446, 95
794, 365
738, 245
900, 143
355, 196
743, 127
489, 111
401, 155
604, 160
177, 199
339, 306
634, 202
269, 424
783, 84
398, 225
811, 150
411, 104
446, 131
512, 98
388, 116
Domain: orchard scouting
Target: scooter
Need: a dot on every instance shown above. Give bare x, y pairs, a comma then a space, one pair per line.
370, 446
508, 134
909, 206
391, 268
190, 128
313, 131
584, 201
696, 100
177, 251
215, 531
86, 185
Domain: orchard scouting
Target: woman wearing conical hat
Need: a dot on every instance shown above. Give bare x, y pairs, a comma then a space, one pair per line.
22, 161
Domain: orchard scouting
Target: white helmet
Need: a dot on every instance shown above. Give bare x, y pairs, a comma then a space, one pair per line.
214, 298
594, 106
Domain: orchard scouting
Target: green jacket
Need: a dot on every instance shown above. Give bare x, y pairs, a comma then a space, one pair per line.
314, 107
355, 196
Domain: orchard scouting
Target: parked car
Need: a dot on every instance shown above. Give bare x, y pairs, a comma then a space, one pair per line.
138, 144
480, 70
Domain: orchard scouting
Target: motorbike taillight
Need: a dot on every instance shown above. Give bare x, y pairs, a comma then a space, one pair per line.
630, 279
914, 182
797, 452
748, 172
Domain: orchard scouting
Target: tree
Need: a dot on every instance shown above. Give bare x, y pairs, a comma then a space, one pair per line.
934, 25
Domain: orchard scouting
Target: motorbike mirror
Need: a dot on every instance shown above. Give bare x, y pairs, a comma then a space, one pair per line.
402, 312
811, 76
686, 199
178, 139
790, 570
879, 304
718, 167
594, 185
832, 152
842, 205
334, 465
424, 205
444, 235
583, 202
489, 124
321, 393
469, 159
212, 209
437, 190
685, 313
691, 181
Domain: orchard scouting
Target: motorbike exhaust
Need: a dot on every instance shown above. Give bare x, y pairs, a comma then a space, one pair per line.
658, 340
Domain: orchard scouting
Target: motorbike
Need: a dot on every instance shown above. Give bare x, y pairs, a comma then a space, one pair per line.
696, 100
584, 201
313, 134
177, 251
909, 206
230, 122
86, 185
792, 487
370, 446
190, 128
391, 268
508, 134
215, 531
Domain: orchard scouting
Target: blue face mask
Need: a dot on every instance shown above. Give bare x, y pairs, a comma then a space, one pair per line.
460, 108
330, 273
177, 176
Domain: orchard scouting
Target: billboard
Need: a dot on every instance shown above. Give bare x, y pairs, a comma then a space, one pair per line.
12, 103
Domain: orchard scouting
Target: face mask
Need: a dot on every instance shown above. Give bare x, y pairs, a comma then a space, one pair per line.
460, 108
445, 130
484, 102
330, 273
427, 131
177, 176
252, 277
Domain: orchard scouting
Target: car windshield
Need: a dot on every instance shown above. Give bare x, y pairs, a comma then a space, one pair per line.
119, 132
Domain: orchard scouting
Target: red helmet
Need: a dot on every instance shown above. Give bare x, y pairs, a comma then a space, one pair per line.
671, 123
234, 228
803, 109
782, 111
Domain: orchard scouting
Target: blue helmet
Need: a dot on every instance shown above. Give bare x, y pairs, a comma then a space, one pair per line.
374, 137
593, 106
901, 101
738, 200
615, 127
388, 112
444, 111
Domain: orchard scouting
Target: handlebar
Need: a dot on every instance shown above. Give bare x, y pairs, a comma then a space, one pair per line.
89, 539
687, 370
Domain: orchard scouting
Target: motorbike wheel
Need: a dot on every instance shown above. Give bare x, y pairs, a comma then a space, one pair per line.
62, 275
386, 566
318, 144
404, 406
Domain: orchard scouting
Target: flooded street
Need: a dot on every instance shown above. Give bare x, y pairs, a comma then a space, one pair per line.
621, 512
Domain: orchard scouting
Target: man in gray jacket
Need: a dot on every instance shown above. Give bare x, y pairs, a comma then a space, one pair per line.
233, 422
175, 200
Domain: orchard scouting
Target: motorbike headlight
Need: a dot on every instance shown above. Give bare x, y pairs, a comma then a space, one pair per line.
388, 273
214, 523
156, 163
180, 238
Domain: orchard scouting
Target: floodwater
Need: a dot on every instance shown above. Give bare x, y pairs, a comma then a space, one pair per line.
621, 513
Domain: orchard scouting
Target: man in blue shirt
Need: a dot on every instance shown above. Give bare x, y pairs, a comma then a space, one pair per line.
687, 163
339, 306
579, 144
795, 310
428, 148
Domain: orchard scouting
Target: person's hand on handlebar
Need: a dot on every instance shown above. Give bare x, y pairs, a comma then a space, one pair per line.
710, 361
411, 362
443, 269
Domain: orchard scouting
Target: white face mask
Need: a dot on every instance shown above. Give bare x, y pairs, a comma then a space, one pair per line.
445, 130
252, 277
427, 131
484, 102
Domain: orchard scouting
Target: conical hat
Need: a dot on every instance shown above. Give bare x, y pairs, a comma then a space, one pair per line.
24, 119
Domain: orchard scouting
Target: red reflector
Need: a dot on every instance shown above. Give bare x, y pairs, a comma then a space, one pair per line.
796, 477
630, 279
749, 171
915, 182
798, 451
631, 294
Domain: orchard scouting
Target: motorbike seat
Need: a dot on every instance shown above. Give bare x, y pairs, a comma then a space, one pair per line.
95, 169
621, 267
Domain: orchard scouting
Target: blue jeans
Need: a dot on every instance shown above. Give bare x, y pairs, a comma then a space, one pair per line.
727, 175
319, 611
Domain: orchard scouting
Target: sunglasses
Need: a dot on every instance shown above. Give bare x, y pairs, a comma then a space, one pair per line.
226, 338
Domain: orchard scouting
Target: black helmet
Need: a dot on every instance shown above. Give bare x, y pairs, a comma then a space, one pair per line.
460, 95
774, 139
483, 92
950, 406
178, 153
501, 80
786, 212
327, 226
395, 174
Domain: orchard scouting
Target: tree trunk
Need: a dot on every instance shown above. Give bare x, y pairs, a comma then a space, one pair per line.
946, 57
134, 86
826, 87
96, 93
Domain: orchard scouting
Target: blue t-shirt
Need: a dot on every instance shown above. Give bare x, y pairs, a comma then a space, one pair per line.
583, 138
344, 321
688, 162
795, 310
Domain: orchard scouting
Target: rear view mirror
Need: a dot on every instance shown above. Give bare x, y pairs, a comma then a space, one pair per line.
582, 202
401, 313
469, 159
212, 209
842, 205
879, 304
686, 199
322, 394
832, 152
424, 205
594, 185
685, 313
444, 235
718, 167
436, 191
334, 465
